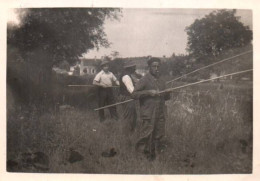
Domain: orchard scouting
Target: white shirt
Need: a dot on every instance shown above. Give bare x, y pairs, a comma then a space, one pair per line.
106, 79
128, 83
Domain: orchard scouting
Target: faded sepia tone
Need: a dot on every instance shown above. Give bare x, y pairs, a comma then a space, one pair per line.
52, 127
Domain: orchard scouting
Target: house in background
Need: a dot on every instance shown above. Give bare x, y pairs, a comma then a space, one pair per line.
90, 66
87, 66
84, 67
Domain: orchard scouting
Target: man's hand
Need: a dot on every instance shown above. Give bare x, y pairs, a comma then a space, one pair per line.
99, 84
153, 93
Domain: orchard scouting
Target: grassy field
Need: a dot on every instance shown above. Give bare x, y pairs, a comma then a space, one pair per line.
208, 131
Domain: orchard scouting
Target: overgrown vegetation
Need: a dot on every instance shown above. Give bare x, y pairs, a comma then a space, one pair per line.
209, 130
46, 37
216, 32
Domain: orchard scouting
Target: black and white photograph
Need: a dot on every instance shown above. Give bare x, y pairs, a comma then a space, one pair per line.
139, 91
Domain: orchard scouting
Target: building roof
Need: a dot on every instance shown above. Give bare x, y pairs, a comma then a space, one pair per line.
89, 62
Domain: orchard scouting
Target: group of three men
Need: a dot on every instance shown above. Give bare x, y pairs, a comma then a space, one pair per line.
147, 91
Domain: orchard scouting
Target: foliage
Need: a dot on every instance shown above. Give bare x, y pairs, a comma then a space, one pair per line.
48, 37
182, 64
60, 33
208, 129
177, 65
64, 65
216, 32
76, 71
117, 65
115, 54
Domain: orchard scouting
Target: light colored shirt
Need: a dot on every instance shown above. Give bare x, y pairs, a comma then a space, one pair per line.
128, 83
105, 79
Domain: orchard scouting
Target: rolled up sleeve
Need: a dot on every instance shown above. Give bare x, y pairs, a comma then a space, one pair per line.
97, 77
128, 83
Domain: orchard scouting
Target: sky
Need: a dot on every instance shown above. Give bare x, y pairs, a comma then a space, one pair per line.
154, 32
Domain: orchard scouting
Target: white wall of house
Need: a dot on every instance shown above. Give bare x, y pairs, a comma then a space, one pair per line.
88, 70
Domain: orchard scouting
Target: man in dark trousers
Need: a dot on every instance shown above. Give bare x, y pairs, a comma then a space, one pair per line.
127, 83
152, 105
104, 80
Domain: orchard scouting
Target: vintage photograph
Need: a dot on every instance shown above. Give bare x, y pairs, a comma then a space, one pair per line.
129, 91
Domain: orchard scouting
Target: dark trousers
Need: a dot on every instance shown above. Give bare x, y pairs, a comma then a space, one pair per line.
151, 133
105, 97
129, 115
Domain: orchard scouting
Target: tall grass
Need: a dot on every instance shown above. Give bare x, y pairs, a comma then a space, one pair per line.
208, 130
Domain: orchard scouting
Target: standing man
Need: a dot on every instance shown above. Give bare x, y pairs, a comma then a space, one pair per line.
127, 84
152, 105
104, 80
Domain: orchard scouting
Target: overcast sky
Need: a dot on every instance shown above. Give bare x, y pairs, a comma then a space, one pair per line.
155, 32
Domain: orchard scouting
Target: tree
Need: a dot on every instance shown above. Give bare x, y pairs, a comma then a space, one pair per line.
48, 36
218, 31
64, 65
177, 65
60, 33
115, 54
117, 66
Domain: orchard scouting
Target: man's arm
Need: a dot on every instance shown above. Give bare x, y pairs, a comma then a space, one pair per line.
115, 79
128, 83
97, 79
140, 90
117, 82
96, 83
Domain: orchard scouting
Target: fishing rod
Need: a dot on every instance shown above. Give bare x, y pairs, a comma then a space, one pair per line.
179, 87
112, 105
221, 61
207, 66
87, 86
202, 81
129, 100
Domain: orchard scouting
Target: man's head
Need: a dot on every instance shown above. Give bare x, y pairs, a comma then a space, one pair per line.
154, 65
130, 67
105, 66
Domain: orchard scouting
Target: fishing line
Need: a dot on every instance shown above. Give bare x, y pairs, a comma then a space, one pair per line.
179, 87
207, 66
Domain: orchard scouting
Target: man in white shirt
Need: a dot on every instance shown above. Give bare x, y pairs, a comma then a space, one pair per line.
105, 80
128, 109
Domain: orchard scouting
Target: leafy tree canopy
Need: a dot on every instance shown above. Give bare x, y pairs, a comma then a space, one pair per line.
218, 31
60, 34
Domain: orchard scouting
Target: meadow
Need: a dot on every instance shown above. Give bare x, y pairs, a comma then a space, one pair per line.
208, 131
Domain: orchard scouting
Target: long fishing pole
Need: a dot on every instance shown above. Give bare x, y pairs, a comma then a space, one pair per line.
230, 58
172, 89
86, 86
207, 66
202, 81
112, 105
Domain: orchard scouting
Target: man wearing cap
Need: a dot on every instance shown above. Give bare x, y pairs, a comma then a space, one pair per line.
152, 105
104, 80
127, 84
